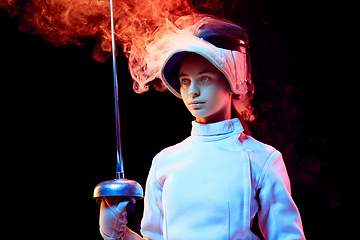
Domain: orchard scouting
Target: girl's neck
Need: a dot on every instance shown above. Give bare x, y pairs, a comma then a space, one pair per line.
225, 114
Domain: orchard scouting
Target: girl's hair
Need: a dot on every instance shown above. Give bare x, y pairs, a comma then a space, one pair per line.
235, 113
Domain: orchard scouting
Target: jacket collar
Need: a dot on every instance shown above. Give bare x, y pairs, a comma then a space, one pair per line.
216, 131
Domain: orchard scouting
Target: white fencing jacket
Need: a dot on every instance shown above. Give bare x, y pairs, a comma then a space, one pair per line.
212, 184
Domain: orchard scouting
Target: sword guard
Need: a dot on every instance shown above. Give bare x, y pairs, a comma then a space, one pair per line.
119, 187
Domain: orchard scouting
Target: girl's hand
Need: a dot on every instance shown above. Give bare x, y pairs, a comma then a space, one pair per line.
113, 216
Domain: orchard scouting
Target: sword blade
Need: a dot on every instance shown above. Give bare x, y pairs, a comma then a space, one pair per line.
119, 166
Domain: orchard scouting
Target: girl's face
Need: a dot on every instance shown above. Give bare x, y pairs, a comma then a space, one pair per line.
204, 90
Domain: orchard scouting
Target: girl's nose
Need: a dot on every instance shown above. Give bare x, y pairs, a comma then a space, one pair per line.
193, 90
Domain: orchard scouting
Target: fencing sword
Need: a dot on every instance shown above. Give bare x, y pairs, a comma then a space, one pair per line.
120, 186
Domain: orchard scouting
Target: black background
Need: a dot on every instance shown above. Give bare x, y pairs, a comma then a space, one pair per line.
59, 124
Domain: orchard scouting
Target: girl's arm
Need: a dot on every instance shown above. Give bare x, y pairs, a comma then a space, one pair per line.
151, 224
279, 217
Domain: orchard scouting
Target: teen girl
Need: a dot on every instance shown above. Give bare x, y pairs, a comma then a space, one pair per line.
211, 185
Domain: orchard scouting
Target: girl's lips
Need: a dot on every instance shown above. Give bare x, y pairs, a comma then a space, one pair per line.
196, 103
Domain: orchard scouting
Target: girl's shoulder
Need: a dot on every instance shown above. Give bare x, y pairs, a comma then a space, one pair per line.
252, 144
259, 152
174, 150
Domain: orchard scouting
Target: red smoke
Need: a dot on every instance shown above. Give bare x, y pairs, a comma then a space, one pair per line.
137, 23
63, 22
10, 6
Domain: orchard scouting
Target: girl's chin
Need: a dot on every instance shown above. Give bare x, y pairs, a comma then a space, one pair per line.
199, 114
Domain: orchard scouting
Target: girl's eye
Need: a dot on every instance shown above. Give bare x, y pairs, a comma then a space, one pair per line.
204, 79
184, 81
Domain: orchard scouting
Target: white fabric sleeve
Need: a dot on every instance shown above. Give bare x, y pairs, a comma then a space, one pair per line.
151, 224
279, 217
